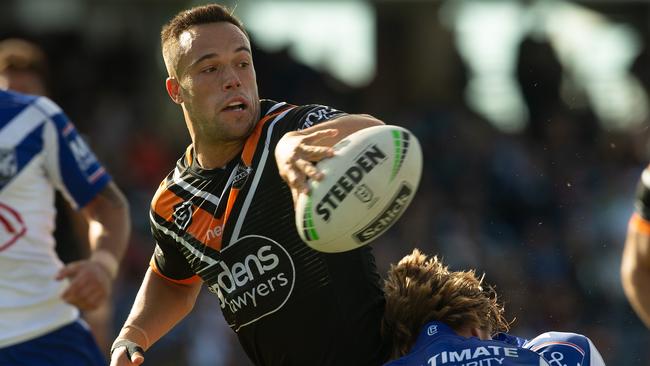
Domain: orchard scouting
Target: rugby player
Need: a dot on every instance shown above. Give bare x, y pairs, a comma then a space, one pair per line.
224, 216
40, 298
435, 317
24, 69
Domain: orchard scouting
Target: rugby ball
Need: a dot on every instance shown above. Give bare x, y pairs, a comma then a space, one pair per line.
367, 186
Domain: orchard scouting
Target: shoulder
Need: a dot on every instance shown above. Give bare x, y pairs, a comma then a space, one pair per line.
11, 98
43, 105
163, 193
313, 114
299, 117
39, 106
35, 110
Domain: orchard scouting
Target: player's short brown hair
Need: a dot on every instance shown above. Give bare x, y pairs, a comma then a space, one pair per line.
212, 13
419, 290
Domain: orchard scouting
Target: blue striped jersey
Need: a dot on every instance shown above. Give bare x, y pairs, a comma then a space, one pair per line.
40, 152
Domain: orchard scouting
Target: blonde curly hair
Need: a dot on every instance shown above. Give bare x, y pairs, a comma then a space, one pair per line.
420, 289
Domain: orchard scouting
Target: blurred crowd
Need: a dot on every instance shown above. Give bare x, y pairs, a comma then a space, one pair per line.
542, 212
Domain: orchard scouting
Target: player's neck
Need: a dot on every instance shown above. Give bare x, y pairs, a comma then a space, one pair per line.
211, 156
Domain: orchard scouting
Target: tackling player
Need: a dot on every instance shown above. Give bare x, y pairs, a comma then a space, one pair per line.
435, 317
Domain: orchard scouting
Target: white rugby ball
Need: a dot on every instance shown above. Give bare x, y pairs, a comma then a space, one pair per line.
367, 186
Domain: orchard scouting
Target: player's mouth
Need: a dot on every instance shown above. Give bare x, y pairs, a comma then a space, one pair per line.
235, 105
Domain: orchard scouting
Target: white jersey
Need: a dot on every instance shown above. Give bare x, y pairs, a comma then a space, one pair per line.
40, 151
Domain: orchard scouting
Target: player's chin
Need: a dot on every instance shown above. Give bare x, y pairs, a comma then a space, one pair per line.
243, 118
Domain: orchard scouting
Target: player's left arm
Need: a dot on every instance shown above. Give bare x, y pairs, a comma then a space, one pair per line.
635, 265
108, 230
297, 151
74, 170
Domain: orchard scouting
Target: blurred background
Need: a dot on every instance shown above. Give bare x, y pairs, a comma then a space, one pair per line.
533, 117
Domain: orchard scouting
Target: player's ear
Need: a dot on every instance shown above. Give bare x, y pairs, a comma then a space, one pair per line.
173, 89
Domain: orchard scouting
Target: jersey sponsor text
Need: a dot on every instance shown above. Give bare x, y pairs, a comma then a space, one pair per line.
474, 356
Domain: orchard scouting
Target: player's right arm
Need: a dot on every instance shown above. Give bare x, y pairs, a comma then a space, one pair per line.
159, 305
635, 266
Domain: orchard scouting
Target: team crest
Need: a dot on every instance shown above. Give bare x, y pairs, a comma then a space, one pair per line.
8, 165
241, 176
182, 215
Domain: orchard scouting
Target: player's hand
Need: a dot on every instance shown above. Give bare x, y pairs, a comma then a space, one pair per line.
121, 358
296, 154
90, 284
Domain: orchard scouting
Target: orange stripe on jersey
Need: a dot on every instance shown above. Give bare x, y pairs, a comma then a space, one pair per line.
253, 139
163, 203
247, 159
203, 223
186, 281
639, 224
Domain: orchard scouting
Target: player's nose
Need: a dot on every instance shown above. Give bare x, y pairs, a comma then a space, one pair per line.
231, 79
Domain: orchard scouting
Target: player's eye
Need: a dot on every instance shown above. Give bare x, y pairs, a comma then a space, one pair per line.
244, 64
209, 69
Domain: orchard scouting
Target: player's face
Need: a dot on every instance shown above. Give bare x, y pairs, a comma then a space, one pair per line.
217, 81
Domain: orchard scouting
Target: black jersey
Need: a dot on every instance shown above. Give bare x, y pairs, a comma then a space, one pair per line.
233, 228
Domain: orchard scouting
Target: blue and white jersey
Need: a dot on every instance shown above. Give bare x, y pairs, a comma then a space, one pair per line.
439, 345
560, 348
40, 151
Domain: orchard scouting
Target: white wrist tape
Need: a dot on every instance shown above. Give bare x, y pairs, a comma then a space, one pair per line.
143, 332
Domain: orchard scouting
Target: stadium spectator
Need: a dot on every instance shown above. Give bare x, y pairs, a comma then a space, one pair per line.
635, 266
435, 316
40, 298
220, 217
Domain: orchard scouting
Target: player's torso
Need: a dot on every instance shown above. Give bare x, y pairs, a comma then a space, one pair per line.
26, 195
29, 298
273, 289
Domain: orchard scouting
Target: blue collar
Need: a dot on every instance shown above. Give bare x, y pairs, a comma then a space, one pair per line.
432, 330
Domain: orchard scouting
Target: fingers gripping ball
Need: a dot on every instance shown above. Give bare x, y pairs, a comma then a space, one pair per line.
367, 186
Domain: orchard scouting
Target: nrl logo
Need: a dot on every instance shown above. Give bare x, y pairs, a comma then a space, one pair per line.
182, 215
363, 193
